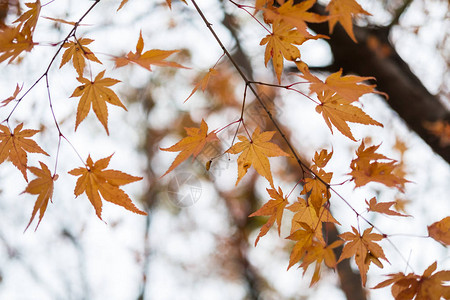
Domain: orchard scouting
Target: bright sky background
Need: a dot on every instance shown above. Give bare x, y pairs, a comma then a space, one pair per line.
106, 262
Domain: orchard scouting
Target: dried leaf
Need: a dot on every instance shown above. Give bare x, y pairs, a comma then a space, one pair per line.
364, 248
337, 111
15, 145
193, 144
203, 83
383, 207
343, 11
151, 57
13, 97
77, 52
440, 231
96, 94
94, 180
255, 152
273, 208
43, 187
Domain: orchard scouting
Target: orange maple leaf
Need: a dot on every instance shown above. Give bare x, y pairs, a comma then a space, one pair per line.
94, 180
281, 43
193, 144
29, 18
295, 15
78, 52
255, 152
318, 191
428, 286
342, 11
366, 168
13, 97
306, 213
383, 207
319, 253
364, 248
203, 83
273, 208
151, 57
43, 187
321, 158
15, 145
440, 231
304, 240
13, 42
169, 3
349, 87
96, 93
337, 111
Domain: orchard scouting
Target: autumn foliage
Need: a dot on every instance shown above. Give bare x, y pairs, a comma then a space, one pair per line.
336, 99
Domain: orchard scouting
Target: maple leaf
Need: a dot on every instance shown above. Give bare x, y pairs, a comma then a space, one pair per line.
203, 83
29, 18
193, 144
366, 168
304, 240
440, 231
13, 42
94, 181
122, 4
321, 158
95, 94
15, 145
318, 191
349, 87
428, 286
296, 15
306, 213
151, 57
43, 187
342, 11
337, 111
281, 43
13, 97
255, 152
273, 208
169, 3
62, 21
320, 253
383, 207
364, 248
78, 52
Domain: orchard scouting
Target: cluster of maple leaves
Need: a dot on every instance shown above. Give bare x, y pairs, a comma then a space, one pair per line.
337, 99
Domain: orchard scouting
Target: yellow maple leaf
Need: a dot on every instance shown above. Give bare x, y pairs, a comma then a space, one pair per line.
15, 145
94, 181
14, 41
364, 248
295, 15
151, 57
43, 187
304, 240
29, 18
318, 191
203, 83
193, 144
273, 208
342, 11
281, 44
337, 111
306, 213
78, 52
95, 94
255, 152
